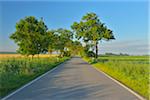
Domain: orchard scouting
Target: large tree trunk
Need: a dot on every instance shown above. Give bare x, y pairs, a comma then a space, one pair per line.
96, 47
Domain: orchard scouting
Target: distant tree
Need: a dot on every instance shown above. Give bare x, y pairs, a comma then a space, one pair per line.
30, 36
121, 54
63, 40
76, 48
51, 41
110, 54
90, 29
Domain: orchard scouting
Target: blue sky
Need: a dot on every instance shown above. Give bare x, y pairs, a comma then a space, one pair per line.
128, 20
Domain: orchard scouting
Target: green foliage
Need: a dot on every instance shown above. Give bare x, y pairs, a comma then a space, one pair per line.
90, 54
91, 29
112, 54
15, 72
67, 54
51, 41
30, 36
64, 39
76, 48
132, 71
90, 60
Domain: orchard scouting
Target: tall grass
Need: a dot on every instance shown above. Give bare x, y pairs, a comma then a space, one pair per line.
15, 72
133, 71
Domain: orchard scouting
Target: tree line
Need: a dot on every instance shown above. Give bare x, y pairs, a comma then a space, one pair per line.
33, 37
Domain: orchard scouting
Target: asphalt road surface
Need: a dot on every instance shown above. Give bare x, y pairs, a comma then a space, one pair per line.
74, 80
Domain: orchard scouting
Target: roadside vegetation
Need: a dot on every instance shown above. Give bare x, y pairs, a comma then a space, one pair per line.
17, 71
34, 38
133, 71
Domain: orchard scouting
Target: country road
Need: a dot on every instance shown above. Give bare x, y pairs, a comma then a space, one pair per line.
73, 80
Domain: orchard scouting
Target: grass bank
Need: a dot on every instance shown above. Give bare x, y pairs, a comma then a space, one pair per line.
133, 71
15, 72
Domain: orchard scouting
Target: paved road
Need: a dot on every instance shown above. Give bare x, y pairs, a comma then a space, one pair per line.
74, 80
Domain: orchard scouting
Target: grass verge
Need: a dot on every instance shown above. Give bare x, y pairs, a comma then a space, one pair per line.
15, 72
131, 71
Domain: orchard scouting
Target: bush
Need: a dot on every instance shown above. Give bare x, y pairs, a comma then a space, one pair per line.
67, 54
90, 54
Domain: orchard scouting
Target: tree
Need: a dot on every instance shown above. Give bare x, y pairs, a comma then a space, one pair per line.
51, 41
90, 54
76, 48
91, 30
63, 40
30, 36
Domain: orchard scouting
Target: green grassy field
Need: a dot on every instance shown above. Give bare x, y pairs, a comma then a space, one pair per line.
15, 72
133, 71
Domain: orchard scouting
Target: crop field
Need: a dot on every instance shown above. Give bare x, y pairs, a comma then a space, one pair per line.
132, 71
19, 55
16, 70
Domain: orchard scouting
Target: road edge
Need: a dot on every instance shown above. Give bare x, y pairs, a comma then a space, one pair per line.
119, 83
32, 81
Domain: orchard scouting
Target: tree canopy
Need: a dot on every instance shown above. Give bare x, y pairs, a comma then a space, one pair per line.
91, 29
64, 38
33, 37
30, 35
